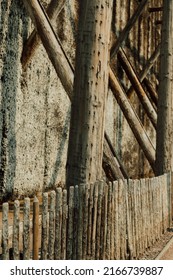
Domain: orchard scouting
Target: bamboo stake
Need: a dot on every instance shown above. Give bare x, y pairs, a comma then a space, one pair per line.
35, 229
51, 242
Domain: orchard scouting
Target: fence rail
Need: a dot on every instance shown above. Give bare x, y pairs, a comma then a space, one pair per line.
116, 221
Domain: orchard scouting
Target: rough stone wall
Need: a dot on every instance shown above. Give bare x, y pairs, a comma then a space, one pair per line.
35, 110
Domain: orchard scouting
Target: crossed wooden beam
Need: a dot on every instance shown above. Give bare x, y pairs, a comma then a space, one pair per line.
112, 165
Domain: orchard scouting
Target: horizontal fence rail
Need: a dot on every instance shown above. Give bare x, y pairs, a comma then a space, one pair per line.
99, 221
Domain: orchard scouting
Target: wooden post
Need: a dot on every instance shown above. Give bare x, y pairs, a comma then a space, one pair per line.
58, 224
5, 249
51, 242
64, 225
44, 235
70, 225
36, 229
16, 226
85, 153
26, 229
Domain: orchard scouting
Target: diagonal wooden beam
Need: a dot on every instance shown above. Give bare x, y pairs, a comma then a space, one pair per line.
144, 72
137, 86
33, 42
132, 119
125, 32
51, 44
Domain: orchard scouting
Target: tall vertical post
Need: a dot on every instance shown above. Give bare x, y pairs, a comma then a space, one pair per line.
85, 149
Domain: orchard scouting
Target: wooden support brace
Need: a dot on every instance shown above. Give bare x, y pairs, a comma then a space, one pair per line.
125, 32
143, 74
33, 42
133, 120
138, 87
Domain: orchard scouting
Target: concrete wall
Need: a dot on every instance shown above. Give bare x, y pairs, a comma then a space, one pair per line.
35, 110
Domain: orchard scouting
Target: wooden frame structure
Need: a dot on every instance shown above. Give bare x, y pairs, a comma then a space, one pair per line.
143, 85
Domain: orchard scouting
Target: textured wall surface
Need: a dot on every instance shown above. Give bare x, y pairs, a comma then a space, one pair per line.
35, 110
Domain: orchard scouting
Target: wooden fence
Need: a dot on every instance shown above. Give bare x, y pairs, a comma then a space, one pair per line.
119, 221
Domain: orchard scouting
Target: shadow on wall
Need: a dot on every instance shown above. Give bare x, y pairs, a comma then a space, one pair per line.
13, 24
61, 149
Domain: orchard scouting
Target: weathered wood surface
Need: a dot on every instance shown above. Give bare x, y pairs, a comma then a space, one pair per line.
5, 248
33, 42
133, 120
44, 236
26, 229
116, 221
16, 228
35, 229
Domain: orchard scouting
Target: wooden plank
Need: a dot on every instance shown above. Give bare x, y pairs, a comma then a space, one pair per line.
58, 224
70, 225
26, 229
35, 229
16, 217
5, 234
44, 235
